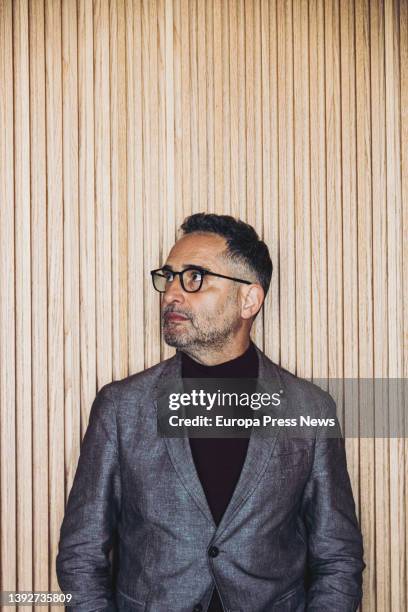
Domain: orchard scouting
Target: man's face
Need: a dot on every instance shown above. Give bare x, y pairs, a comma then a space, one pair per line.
213, 314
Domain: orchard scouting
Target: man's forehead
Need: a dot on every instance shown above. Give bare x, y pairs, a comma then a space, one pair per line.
196, 247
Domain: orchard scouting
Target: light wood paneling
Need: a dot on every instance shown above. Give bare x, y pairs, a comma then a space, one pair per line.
118, 119
55, 274
39, 329
24, 483
8, 317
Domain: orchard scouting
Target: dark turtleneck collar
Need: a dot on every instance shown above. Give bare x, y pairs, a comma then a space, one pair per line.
245, 365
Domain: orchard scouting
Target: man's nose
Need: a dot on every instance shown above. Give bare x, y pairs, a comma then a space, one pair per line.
174, 291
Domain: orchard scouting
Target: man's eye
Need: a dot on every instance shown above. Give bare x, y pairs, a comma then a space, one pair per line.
168, 275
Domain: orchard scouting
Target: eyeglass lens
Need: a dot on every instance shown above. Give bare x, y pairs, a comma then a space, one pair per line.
192, 279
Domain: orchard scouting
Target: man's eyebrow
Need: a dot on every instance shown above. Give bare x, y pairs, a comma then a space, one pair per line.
187, 265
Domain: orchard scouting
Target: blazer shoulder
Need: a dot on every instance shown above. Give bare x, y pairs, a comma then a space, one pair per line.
137, 385
305, 391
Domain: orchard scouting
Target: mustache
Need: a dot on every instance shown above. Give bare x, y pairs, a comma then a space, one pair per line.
173, 311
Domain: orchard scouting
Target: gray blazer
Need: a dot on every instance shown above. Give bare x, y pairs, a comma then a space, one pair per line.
292, 512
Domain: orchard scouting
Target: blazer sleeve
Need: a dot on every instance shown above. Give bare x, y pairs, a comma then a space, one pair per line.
335, 546
91, 514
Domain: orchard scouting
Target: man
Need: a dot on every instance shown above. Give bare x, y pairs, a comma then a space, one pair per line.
253, 524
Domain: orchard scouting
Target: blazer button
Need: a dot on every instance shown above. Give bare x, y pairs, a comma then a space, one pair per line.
197, 608
213, 551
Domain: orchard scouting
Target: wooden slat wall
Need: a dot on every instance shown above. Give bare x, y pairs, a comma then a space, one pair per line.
119, 118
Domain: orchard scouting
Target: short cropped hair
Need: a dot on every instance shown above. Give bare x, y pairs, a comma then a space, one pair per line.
243, 243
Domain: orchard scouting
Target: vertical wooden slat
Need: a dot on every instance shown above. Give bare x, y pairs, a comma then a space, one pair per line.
349, 187
333, 190
267, 145
271, 210
319, 330
249, 118
242, 152
71, 236
286, 187
164, 228
86, 206
254, 216
194, 118
39, 364
169, 201
103, 214
118, 189
217, 85
349, 233
255, 211
234, 106
395, 305
170, 208
380, 305
209, 58
23, 293
334, 227
302, 186
153, 217
8, 525
364, 226
55, 237
178, 113
135, 90
166, 232
202, 74
403, 61
185, 106
226, 111
147, 166
151, 159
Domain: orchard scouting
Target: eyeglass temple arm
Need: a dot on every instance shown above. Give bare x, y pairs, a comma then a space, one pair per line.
239, 280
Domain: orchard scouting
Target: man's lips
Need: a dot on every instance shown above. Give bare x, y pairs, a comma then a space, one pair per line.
172, 316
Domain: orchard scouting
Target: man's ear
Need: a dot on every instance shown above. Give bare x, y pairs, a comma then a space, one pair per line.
252, 300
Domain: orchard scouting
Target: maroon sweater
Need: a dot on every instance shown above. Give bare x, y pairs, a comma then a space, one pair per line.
219, 461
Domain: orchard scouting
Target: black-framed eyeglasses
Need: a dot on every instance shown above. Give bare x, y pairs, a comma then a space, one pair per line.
191, 278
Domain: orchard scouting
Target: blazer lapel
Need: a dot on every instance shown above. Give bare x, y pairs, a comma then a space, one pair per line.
179, 448
259, 447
